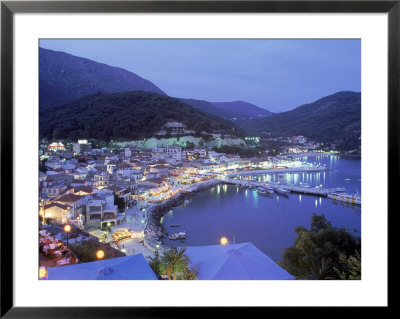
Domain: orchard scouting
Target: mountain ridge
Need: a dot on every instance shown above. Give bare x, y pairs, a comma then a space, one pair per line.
64, 77
334, 119
243, 108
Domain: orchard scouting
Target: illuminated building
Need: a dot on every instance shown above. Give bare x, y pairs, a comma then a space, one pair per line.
56, 146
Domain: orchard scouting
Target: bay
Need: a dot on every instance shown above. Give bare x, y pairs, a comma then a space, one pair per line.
242, 215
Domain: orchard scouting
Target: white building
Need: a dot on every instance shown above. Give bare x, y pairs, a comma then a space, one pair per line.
175, 127
175, 152
99, 211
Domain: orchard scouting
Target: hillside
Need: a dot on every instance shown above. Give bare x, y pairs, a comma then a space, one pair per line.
127, 116
64, 77
243, 109
233, 111
208, 107
332, 119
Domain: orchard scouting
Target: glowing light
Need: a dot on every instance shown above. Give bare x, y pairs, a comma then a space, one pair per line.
223, 241
100, 254
42, 273
67, 228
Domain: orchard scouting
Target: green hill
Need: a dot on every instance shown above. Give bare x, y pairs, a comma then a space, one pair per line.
125, 116
333, 119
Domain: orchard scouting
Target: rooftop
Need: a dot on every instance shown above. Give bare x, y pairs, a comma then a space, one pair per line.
134, 267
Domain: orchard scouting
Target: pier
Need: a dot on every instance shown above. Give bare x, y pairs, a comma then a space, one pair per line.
293, 189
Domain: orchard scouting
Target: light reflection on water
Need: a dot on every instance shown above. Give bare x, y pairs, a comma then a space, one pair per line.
266, 221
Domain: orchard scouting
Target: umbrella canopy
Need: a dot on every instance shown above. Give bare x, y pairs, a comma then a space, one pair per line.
121, 268
234, 262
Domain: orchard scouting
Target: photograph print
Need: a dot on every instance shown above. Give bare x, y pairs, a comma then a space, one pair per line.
199, 159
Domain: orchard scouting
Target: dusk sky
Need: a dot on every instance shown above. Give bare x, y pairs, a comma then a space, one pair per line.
278, 75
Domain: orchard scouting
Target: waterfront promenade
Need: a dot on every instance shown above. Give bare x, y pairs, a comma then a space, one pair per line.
279, 170
294, 189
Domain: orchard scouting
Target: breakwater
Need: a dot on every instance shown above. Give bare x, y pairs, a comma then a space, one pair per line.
154, 230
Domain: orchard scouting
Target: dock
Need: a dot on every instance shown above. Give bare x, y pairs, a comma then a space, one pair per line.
291, 188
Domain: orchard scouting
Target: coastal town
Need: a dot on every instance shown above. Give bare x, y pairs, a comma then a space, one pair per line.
153, 172
112, 199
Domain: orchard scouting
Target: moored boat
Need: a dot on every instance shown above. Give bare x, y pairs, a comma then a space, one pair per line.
264, 191
282, 191
347, 198
180, 235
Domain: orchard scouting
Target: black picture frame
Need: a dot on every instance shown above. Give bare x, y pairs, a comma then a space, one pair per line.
9, 8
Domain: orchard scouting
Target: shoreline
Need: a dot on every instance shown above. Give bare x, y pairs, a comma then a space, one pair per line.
280, 170
154, 230
312, 154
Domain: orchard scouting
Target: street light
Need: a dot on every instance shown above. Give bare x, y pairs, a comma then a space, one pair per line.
100, 254
107, 228
223, 241
67, 229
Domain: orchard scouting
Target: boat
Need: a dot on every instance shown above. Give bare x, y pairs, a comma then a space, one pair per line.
347, 198
174, 225
282, 191
347, 179
180, 235
264, 191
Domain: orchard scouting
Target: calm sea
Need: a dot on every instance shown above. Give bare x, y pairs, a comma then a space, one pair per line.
269, 223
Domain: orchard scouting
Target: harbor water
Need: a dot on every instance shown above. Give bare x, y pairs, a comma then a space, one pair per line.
269, 222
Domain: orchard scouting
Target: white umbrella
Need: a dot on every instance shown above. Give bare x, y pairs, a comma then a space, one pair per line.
234, 262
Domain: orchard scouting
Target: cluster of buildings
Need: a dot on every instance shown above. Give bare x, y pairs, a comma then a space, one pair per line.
295, 144
95, 186
93, 189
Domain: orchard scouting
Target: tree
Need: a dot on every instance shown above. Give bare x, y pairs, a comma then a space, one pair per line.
323, 252
174, 264
189, 145
42, 166
351, 266
119, 202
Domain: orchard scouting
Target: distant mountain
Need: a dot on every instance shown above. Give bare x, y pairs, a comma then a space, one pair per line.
126, 115
210, 108
243, 109
238, 110
333, 119
64, 77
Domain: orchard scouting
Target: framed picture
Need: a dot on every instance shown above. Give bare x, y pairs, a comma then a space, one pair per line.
222, 143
